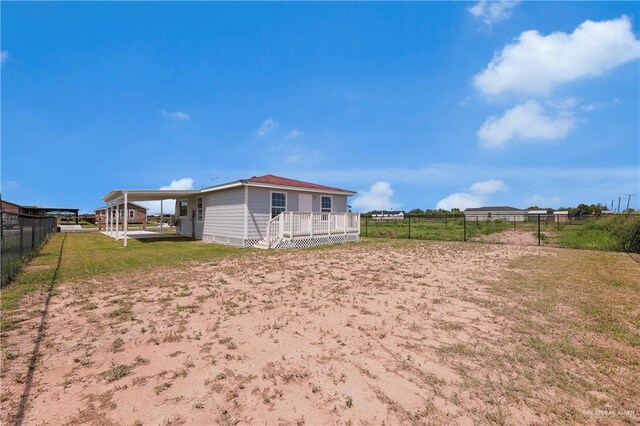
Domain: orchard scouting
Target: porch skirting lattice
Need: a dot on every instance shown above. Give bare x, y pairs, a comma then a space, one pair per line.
304, 242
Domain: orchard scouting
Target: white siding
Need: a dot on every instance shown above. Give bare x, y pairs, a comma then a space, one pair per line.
223, 213
259, 207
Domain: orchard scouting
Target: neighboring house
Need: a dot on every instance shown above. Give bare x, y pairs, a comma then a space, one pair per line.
135, 213
561, 216
8, 207
534, 212
495, 213
263, 211
387, 214
58, 212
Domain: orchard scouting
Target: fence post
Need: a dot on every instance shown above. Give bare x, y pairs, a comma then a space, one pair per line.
464, 221
21, 238
538, 229
409, 227
366, 226
514, 223
33, 237
558, 220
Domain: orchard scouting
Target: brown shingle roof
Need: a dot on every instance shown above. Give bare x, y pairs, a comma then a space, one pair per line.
278, 180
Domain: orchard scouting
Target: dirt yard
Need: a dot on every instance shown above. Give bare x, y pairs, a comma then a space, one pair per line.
379, 333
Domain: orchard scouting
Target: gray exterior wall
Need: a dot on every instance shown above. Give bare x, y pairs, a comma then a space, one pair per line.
259, 207
224, 214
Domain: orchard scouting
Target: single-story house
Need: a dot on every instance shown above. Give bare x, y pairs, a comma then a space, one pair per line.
135, 213
561, 216
495, 213
262, 211
387, 214
536, 212
58, 212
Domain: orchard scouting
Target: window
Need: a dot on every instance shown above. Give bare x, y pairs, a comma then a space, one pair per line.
326, 204
200, 209
132, 214
182, 208
121, 213
278, 203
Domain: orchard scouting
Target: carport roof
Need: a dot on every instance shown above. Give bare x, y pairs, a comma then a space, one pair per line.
148, 194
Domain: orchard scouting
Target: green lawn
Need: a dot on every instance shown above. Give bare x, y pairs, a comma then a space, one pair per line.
87, 255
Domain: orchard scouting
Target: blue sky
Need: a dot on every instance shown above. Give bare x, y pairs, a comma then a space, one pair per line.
410, 104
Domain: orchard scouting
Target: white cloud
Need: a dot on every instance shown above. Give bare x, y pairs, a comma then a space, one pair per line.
10, 184
175, 115
478, 194
488, 187
543, 202
492, 12
295, 133
184, 183
535, 64
378, 197
4, 56
528, 121
267, 126
168, 206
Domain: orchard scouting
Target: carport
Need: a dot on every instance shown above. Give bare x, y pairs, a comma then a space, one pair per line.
124, 196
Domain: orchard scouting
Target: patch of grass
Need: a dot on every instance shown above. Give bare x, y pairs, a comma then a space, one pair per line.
158, 389
348, 401
93, 254
117, 372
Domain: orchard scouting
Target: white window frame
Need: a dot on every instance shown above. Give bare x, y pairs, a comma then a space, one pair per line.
200, 209
179, 206
321, 208
132, 214
286, 202
121, 212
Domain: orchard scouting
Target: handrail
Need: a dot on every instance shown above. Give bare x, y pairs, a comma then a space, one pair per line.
290, 224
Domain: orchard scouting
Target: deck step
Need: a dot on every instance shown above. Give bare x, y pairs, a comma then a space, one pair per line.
262, 244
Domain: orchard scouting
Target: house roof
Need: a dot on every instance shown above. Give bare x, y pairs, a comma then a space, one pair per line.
282, 181
273, 181
494, 209
148, 194
268, 181
387, 212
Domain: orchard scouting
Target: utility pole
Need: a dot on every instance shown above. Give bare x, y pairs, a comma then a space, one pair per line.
629, 199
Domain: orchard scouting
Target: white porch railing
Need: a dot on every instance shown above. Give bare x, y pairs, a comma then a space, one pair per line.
288, 225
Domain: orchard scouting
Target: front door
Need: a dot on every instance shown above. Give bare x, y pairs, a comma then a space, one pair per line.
304, 203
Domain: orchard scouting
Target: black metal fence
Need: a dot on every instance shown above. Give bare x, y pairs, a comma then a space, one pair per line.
601, 232
21, 237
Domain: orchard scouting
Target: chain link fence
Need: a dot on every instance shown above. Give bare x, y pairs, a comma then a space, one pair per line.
21, 237
600, 232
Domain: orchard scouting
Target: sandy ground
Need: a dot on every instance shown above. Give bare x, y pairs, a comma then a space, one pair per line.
350, 335
510, 237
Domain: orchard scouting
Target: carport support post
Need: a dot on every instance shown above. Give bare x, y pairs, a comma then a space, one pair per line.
108, 221
117, 221
161, 217
126, 218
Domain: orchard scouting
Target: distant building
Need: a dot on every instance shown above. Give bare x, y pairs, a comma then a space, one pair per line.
387, 214
496, 213
59, 212
561, 216
135, 213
